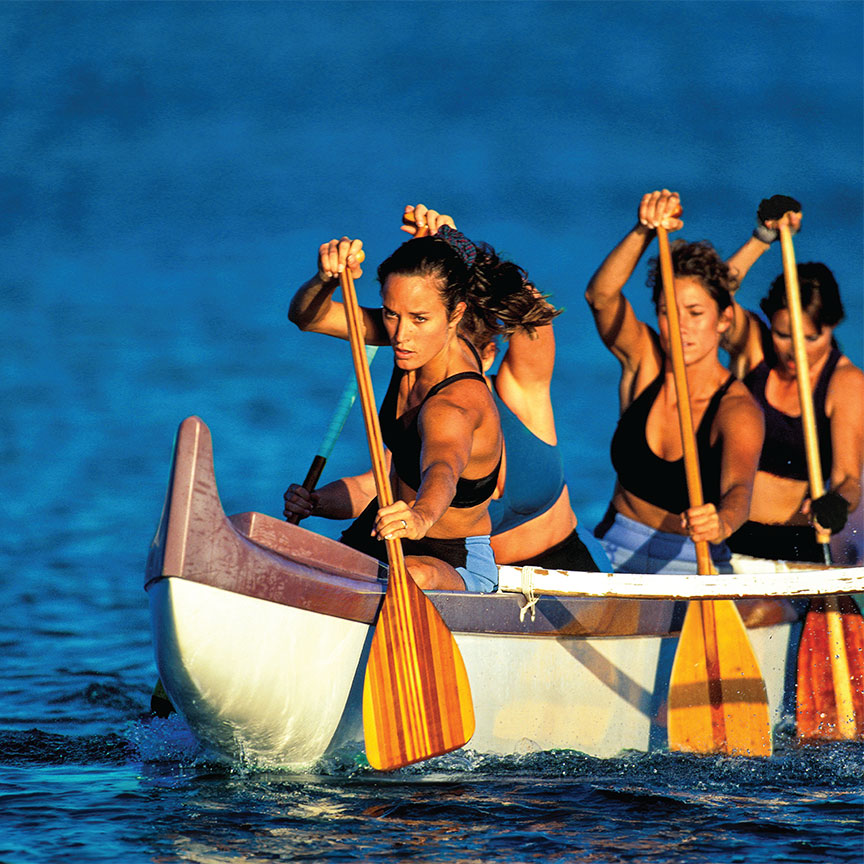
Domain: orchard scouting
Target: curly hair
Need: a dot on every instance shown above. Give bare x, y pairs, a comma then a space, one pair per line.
820, 295
499, 298
700, 261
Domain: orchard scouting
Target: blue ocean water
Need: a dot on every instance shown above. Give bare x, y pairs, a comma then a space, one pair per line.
168, 171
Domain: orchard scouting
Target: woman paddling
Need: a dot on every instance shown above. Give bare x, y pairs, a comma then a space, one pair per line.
649, 520
533, 523
782, 514
438, 418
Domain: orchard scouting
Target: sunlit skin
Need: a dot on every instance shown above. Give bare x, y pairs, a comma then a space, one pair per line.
417, 325
738, 421
784, 500
459, 427
700, 321
523, 382
817, 345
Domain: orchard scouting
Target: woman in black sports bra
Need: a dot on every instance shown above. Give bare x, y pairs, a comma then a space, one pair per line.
782, 514
438, 418
650, 523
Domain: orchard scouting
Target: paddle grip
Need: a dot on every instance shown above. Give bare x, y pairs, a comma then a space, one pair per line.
313, 475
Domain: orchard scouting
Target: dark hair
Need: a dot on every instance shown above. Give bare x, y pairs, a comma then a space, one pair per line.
497, 294
701, 261
820, 296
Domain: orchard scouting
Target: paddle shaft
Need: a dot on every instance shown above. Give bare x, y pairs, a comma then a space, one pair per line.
834, 622
685, 415
367, 404
340, 415
398, 577
694, 485
802, 375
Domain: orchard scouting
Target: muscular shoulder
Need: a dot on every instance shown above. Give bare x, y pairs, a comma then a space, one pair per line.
468, 399
846, 387
738, 408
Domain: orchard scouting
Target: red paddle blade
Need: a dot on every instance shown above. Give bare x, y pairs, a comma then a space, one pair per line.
416, 696
717, 697
830, 695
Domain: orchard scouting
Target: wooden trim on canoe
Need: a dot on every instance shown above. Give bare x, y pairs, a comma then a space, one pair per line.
298, 544
776, 579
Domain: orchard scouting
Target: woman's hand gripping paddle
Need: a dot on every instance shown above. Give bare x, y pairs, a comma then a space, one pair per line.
717, 698
830, 692
340, 415
416, 696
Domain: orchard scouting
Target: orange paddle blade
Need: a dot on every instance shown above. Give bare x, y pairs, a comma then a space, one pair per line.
416, 696
717, 697
830, 695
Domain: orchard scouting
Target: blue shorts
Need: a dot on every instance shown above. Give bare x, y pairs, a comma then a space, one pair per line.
635, 548
471, 557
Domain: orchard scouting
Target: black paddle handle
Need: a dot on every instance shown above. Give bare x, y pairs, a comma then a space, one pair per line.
311, 481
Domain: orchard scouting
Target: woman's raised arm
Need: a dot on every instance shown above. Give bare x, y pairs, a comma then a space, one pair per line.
313, 308
622, 332
743, 340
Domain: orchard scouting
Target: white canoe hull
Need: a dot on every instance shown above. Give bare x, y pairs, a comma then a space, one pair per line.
261, 632
276, 685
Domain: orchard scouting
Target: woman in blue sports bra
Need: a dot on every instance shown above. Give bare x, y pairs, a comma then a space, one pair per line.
438, 418
782, 515
650, 524
533, 523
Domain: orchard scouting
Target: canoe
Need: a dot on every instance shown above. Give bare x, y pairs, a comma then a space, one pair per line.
261, 630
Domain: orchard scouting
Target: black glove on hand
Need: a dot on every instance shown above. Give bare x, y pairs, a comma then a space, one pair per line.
773, 208
831, 511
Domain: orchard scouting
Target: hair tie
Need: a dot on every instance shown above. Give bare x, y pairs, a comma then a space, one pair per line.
460, 244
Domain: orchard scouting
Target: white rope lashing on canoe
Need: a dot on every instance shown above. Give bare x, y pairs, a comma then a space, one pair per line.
528, 593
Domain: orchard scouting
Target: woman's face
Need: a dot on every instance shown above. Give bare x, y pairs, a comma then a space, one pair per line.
817, 343
416, 319
699, 317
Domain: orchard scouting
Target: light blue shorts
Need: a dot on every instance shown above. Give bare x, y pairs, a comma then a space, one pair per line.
480, 572
471, 557
635, 548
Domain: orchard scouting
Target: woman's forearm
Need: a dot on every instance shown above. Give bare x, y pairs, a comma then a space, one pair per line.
734, 509
436, 492
312, 302
611, 276
741, 261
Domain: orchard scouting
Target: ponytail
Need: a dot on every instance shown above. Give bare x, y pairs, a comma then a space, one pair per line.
498, 297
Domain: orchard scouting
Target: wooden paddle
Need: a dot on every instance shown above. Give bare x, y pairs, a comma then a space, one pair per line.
340, 415
717, 697
825, 701
416, 695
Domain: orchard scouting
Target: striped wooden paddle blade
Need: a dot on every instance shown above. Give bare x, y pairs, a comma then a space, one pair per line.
416, 696
717, 697
830, 694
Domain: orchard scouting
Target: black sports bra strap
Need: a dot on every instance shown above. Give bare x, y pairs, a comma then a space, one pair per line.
474, 351
821, 389
459, 376
713, 407
726, 385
